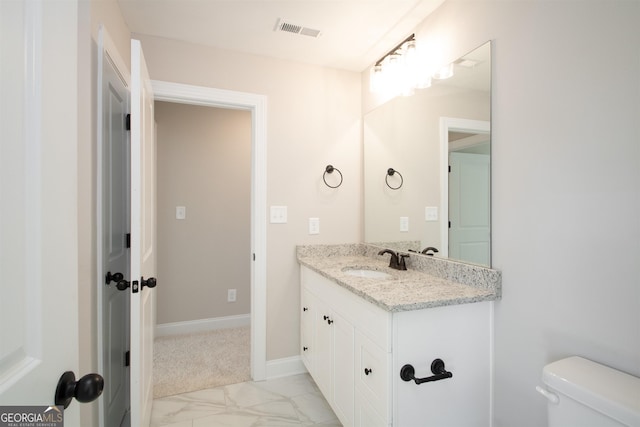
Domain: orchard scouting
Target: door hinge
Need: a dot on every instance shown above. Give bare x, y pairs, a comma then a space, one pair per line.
127, 358
128, 240
254, 257
449, 224
449, 168
127, 121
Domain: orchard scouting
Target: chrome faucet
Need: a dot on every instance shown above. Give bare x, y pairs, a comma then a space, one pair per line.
397, 259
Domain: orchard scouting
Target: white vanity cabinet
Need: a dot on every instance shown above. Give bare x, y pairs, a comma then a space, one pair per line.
354, 350
336, 348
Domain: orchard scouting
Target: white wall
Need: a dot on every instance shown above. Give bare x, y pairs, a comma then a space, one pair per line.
313, 119
566, 183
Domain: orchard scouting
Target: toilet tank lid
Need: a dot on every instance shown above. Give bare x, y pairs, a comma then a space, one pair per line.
606, 390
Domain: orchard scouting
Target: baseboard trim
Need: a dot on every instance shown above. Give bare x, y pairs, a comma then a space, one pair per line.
202, 325
285, 367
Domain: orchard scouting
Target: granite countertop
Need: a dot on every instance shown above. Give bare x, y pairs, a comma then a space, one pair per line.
405, 290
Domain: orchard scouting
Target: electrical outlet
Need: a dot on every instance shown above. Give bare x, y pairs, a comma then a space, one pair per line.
231, 295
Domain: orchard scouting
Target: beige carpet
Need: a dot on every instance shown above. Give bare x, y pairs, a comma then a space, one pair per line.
184, 363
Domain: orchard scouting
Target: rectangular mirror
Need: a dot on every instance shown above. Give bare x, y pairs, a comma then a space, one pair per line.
437, 144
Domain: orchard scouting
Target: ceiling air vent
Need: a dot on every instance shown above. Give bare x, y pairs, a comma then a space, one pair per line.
288, 27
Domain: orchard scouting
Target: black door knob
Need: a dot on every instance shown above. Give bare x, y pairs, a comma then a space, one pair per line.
149, 283
122, 285
116, 277
86, 389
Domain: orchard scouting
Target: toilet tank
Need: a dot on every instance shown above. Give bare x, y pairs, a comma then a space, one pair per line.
583, 393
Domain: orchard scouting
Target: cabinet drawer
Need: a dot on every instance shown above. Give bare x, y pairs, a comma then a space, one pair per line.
372, 374
372, 321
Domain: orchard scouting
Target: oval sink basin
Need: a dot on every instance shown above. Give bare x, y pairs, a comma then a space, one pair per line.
366, 273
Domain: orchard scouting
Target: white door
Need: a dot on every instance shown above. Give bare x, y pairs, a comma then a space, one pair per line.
113, 166
469, 208
38, 201
143, 235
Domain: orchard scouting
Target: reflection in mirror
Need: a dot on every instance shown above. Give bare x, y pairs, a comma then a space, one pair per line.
422, 135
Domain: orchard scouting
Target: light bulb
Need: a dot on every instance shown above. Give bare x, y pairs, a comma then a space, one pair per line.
444, 72
375, 78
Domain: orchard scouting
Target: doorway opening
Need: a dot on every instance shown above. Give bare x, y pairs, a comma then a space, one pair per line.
465, 189
256, 105
204, 249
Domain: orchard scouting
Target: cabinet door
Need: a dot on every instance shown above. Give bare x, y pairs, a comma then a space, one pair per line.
343, 368
306, 329
322, 353
372, 369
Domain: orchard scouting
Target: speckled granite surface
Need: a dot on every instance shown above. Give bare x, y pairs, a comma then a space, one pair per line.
427, 282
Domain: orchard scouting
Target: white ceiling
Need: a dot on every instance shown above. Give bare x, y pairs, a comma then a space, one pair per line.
354, 33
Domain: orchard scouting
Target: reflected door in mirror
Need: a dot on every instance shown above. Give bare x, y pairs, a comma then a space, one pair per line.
469, 207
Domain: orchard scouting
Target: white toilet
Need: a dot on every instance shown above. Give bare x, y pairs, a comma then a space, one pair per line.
582, 393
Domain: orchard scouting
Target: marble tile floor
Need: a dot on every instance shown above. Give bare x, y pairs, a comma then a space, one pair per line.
280, 402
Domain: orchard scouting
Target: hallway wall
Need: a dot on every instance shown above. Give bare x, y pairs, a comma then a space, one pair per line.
204, 164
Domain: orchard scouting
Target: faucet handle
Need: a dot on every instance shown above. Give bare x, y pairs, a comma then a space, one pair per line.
402, 265
429, 251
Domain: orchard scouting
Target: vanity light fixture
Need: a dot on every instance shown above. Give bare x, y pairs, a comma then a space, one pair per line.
401, 71
395, 72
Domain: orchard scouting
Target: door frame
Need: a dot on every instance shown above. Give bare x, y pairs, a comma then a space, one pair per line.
452, 124
257, 105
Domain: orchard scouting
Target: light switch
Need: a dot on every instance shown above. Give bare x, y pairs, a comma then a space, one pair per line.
404, 223
431, 213
181, 212
314, 225
278, 214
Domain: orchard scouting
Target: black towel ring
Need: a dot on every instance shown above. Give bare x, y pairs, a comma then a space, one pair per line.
330, 169
391, 172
